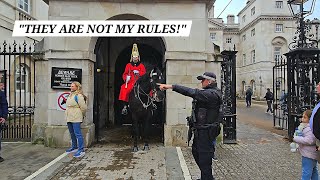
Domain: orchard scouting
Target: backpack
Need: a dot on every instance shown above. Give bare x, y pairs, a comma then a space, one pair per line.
271, 95
84, 97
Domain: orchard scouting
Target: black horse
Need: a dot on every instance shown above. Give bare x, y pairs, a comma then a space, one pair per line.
142, 104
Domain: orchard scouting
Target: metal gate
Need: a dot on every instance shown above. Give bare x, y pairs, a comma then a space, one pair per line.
228, 87
17, 67
294, 81
303, 76
280, 115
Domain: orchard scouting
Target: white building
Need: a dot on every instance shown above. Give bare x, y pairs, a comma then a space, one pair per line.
13, 10
102, 61
262, 35
19, 69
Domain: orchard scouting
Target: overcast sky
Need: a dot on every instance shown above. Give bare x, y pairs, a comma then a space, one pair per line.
236, 6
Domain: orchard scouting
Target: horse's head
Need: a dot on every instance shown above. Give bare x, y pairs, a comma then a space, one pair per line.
155, 78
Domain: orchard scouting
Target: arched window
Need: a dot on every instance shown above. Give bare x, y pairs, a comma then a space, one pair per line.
278, 44
243, 87
22, 77
253, 86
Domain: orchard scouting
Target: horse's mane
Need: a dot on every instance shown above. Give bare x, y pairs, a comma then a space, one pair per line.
144, 78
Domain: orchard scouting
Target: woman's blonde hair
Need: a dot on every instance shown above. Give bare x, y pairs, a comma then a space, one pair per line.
79, 89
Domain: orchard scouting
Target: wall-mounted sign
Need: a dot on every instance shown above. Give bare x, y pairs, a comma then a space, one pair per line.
61, 78
61, 100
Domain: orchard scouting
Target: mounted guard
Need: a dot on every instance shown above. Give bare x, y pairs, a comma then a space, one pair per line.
134, 69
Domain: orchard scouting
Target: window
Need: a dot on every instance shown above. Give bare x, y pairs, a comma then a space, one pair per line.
277, 53
229, 40
279, 27
253, 56
244, 59
21, 76
253, 32
244, 18
253, 11
243, 37
279, 4
213, 36
24, 5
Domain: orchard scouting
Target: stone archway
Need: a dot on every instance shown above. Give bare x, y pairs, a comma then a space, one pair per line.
112, 55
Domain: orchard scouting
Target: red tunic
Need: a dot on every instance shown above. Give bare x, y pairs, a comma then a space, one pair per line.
125, 91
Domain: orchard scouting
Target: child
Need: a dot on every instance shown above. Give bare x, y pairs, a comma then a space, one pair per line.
307, 148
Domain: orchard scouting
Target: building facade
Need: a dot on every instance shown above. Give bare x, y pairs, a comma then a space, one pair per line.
261, 37
16, 69
102, 60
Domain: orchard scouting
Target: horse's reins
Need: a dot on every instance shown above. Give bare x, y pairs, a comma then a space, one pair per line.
137, 95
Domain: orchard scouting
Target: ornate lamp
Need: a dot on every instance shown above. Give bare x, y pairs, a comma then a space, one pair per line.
301, 8
302, 63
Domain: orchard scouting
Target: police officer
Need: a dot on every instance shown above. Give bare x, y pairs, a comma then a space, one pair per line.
208, 101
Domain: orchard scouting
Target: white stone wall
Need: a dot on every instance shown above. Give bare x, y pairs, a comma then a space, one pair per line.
264, 53
156, 11
234, 41
262, 7
9, 13
186, 56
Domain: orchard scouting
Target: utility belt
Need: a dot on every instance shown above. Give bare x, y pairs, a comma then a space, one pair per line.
213, 130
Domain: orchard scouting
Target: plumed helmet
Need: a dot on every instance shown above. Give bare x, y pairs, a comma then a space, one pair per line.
135, 52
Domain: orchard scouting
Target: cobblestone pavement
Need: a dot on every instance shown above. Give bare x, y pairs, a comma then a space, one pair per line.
258, 155
115, 162
23, 159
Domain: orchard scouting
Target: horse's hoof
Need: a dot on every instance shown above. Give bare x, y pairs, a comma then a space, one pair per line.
135, 149
146, 148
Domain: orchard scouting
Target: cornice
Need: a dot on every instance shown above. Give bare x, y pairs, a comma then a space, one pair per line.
235, 33
246, 7
252, 23
265, 17
216, 23
209, 3
216, 28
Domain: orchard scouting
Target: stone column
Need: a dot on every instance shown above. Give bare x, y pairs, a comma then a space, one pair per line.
184, 72
49, 124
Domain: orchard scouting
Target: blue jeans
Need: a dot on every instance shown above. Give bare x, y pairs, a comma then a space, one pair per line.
76, 135
309, 169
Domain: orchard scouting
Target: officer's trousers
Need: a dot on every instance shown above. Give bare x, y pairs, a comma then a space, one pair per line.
202, 151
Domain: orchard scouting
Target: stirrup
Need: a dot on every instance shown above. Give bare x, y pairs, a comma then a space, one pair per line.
124, 110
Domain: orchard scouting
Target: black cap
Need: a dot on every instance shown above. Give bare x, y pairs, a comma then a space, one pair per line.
207, 75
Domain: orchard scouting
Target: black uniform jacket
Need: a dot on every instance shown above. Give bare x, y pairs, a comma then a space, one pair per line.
208, 99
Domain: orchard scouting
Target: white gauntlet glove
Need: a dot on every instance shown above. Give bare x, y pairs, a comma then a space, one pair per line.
136, 72
128, 79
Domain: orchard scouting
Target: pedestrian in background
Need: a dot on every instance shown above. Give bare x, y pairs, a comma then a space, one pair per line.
3, 113
307, 149
269, 98
75, 112
248, 97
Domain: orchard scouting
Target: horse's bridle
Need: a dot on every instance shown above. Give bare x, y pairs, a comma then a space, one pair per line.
151, 99
138, 91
